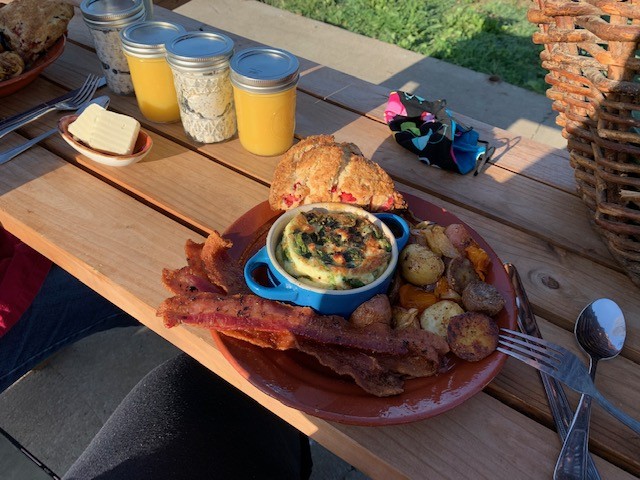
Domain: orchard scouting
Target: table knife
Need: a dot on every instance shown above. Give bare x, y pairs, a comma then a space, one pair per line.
558, 403
33, 112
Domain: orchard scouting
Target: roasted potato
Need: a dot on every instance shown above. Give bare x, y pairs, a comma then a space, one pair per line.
472, 336
436, 317
459, 237
482, 297
419, 265
460, 273
375, 311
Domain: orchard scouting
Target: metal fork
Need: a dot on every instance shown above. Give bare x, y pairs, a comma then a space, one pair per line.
561, 364
85, 92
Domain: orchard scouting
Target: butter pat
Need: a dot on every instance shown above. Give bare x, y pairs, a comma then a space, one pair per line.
106, 131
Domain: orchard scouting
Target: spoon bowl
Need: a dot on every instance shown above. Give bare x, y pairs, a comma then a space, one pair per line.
600, 331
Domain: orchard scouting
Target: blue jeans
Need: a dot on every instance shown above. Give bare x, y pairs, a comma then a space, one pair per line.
64, 311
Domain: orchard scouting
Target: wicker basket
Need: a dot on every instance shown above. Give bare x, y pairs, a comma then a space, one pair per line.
590, 51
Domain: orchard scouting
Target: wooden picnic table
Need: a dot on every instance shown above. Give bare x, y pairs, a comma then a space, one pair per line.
117, 228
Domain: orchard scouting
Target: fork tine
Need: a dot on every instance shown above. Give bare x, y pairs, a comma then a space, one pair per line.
529, 361
536, 341
538, 354
81, 89
88, 89
530, 346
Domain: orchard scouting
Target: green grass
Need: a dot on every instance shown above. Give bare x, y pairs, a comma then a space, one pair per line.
488, 36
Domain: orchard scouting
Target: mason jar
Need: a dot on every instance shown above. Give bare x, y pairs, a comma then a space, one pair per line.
264, 88
200, 65
105, 19
143, 46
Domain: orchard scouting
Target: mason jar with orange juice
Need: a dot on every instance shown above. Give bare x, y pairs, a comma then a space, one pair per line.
143, 46
264, 90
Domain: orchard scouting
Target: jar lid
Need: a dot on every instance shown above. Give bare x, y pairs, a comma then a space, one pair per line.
147, 39
111, 12
199, 51
264, 69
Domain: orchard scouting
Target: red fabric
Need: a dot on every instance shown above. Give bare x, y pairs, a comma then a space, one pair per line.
22, 272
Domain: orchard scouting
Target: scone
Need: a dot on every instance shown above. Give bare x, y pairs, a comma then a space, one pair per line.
30, 27
318, 169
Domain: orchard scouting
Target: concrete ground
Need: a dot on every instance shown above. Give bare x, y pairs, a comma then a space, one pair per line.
55, 410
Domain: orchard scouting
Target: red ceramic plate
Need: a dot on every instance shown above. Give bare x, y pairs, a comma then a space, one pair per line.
14, 84
299, 381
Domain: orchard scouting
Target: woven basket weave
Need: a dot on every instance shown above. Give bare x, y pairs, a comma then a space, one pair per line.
590, 52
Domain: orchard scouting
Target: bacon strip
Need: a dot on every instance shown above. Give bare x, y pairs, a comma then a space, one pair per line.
184, 281
365, 370
250, 312
220, 268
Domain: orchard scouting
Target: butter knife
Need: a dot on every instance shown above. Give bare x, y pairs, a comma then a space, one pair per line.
558, 403
34, 113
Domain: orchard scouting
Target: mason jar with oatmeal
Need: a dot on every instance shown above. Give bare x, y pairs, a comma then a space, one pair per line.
105, 19
200, 65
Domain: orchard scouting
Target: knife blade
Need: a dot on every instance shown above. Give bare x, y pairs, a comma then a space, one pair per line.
33, 112
556, 396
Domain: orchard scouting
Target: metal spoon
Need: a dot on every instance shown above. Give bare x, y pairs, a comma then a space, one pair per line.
600, 330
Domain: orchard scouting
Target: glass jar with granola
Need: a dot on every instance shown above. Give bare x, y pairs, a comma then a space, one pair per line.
200, 65
105, 19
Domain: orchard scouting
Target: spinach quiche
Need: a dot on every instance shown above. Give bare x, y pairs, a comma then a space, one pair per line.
333, 250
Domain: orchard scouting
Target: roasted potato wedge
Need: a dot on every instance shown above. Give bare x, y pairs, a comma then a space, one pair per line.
472, 336
375, 311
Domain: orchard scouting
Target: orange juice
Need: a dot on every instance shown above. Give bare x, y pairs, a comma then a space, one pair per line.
264, 90
266, 122
143, 46
155, 93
